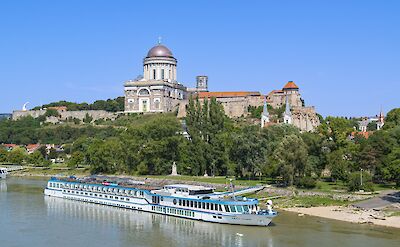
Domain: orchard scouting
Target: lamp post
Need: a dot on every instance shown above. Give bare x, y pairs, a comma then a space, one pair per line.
361, 182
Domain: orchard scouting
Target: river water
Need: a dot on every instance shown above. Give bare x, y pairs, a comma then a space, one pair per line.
28, 218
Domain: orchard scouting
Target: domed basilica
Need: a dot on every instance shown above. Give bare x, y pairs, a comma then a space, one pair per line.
158, 90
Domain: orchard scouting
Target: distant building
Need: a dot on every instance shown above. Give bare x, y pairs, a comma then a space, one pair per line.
31, 148
381, 121
296, 113
158, 90
378, 120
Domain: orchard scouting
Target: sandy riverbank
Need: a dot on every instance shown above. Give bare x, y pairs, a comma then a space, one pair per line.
349, 214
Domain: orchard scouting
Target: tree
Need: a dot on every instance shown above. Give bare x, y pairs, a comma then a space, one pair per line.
16, 156
392, 119
76, 160
88, 118
354, 181
105, 156
291, 156
371, 126
337, 129
3, 154
338, 165
36, 158
247, 151
392, 171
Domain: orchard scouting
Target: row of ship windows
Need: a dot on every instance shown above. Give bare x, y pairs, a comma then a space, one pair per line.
173, 211
215, 207
97, 188
195, 204
96, 195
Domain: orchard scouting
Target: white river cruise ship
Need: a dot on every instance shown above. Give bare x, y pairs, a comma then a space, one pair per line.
180, 200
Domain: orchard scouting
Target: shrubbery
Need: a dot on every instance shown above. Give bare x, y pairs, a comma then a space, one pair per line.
354, 182
307, 183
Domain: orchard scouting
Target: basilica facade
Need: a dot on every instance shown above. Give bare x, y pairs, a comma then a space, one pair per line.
158, 90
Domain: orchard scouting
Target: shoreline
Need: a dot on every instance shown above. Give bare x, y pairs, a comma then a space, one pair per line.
348, 214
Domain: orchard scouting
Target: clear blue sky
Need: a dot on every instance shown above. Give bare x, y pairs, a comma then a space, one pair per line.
344, 55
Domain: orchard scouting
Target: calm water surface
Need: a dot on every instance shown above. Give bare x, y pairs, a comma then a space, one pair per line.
27, 218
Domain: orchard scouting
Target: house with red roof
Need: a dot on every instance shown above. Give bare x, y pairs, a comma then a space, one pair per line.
31, 148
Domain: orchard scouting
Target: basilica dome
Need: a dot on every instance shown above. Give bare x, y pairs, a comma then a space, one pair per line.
159, 51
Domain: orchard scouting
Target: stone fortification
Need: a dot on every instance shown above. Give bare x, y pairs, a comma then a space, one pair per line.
67, 115
305, 118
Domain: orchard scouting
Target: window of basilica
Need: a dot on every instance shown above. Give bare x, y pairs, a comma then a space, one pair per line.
144, 91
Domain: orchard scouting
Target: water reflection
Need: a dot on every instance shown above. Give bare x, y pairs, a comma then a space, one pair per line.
3, 185
154, 228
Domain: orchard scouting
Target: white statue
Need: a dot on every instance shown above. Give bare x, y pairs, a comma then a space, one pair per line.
174, 170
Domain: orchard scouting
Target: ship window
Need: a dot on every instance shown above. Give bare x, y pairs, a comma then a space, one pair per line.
232, 208
180, 202
239, 209
226, 208
220, 208
203, 205
174, 201
246, 208
195, 204
191, 204
208, 205
212, 206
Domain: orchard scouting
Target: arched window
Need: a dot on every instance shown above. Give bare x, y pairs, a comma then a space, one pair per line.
162, 74
154, 74
144, 91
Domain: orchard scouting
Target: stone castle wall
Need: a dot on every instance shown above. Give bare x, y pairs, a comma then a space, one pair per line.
305, 118
65, 115
234, 107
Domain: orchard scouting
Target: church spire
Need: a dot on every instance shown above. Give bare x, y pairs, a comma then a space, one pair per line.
264, 114
287, 117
